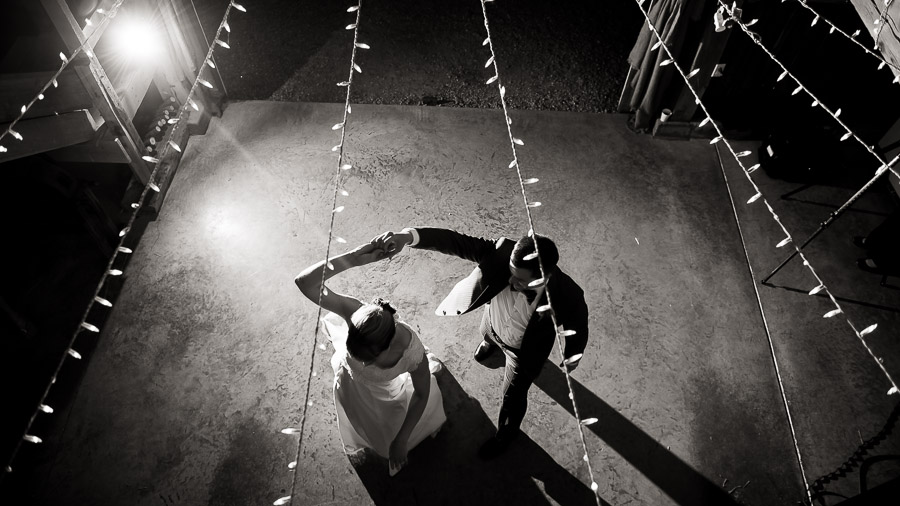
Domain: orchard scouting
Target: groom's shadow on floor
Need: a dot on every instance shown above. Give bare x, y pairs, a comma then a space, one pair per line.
447, 470
673, 476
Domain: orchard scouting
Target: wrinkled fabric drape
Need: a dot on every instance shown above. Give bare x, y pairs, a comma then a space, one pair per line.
649, 81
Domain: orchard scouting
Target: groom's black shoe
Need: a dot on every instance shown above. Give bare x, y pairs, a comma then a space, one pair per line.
484, 350
497, 444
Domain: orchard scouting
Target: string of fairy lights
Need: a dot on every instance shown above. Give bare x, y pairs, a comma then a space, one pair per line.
84, 47
820, 287
852, 38
529, 206
150, 187
340, 169
848, 133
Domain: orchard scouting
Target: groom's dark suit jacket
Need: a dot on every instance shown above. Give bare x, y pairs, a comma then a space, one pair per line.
492, 275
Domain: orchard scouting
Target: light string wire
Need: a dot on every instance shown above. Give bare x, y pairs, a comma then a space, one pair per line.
513, 141
120, 248
341, 167
851, 38
821, 287
107, 17
880, 22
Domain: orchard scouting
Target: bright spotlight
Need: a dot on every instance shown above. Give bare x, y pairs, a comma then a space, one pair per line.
137, 40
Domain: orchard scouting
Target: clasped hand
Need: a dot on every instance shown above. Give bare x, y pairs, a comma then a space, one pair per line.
380, 247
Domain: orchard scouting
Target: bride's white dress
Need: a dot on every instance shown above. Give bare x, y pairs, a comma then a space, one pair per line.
371, 402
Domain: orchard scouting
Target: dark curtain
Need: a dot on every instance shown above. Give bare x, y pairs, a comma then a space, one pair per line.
649, 82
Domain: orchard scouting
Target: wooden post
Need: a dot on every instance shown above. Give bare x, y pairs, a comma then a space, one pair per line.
888, 44
95, 81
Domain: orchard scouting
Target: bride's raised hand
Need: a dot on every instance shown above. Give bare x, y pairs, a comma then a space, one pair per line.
368, 253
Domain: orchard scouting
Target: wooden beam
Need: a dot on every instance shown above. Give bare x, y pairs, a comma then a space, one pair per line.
132, 88
99, 86
17, 89
105, 147
888, 43
94, 30
49, 133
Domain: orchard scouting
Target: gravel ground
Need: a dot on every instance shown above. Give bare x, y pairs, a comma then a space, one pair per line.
560, 56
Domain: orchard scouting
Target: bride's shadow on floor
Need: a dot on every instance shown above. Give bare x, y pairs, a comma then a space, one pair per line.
447, 470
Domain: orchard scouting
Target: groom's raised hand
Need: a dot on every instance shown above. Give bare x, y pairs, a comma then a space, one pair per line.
392, 243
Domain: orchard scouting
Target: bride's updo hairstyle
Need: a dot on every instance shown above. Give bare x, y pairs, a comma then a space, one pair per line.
371, 329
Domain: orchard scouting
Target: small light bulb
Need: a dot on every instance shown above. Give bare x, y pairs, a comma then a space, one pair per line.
88, 326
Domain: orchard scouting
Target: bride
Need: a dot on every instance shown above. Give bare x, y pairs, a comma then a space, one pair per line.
385, 392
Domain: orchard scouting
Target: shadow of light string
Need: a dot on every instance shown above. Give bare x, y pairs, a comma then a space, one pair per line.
851, 38
820, 287
719, 21
529, 205
151, 186
335, 209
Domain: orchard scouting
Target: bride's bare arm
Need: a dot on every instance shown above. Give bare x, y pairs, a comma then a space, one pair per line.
421, 380
309, 281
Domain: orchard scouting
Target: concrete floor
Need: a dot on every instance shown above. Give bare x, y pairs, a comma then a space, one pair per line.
206, 354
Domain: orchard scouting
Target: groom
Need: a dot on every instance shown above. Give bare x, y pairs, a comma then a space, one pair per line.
507, 282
